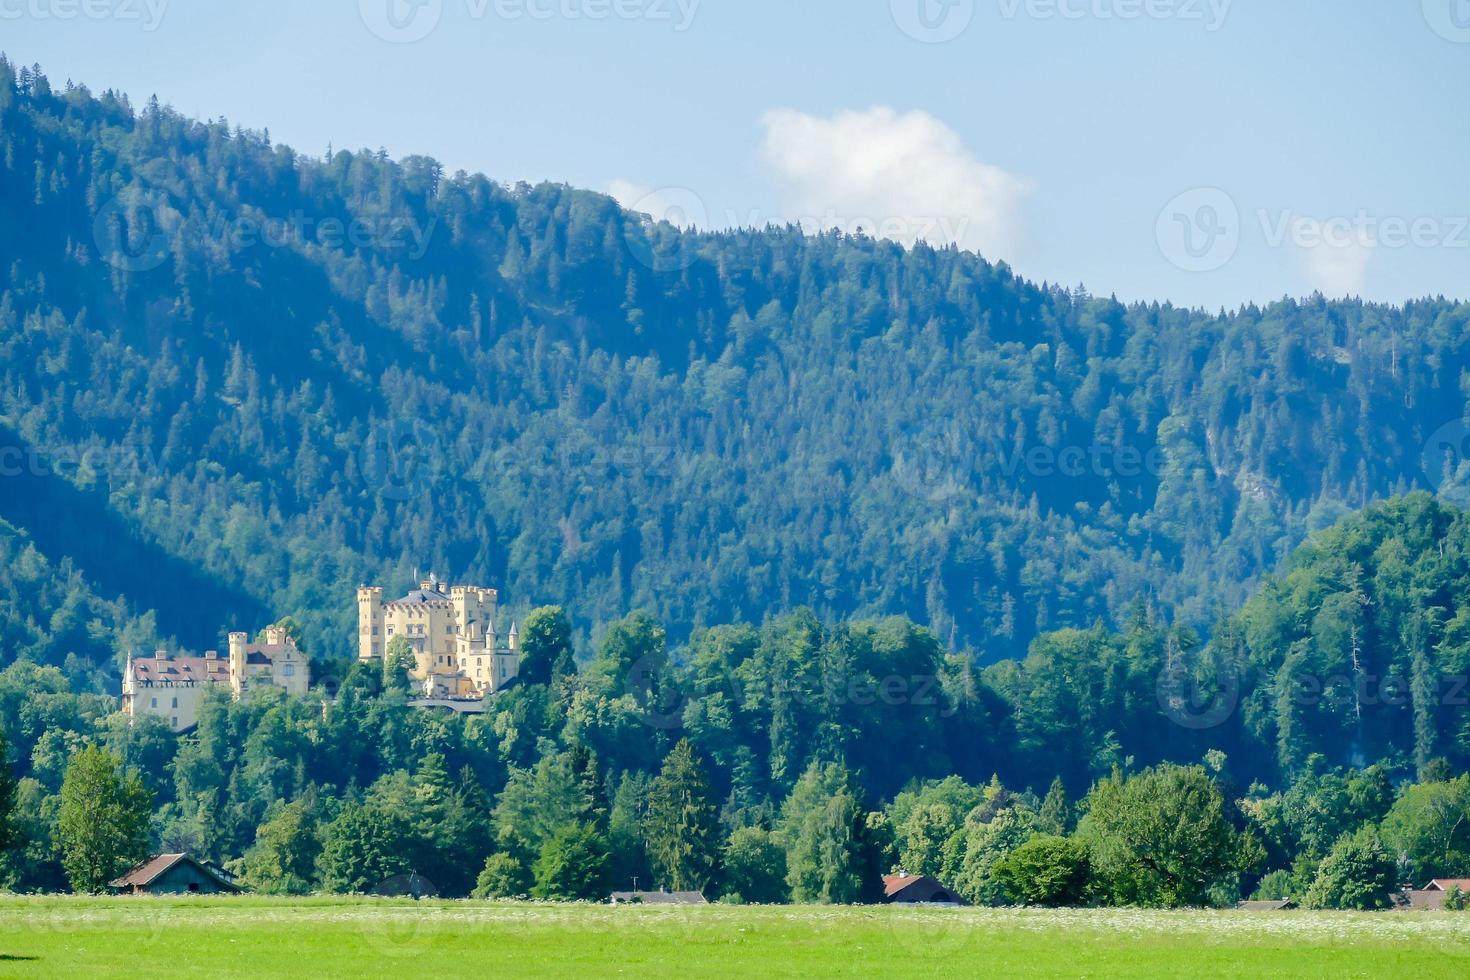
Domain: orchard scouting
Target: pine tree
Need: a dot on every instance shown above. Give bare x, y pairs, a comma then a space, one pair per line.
1055, 816
681, 825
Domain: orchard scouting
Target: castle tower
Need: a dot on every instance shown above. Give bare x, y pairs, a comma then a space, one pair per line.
238, 681
369, 623
459, 598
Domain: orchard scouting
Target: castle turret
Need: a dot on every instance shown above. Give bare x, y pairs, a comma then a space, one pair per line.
515, 638
238, 682
369, 623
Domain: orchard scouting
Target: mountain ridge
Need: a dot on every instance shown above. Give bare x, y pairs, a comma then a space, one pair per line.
612, 414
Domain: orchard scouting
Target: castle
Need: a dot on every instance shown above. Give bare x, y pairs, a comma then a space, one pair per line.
173, 687
456, 649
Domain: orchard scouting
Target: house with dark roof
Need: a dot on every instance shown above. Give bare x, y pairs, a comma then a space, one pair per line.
906, 889
175, 874
659, 898
1432, 896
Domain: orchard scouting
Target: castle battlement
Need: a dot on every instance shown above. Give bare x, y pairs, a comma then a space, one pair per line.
449, 630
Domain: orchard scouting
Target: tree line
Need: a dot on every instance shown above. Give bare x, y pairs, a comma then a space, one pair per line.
801, 760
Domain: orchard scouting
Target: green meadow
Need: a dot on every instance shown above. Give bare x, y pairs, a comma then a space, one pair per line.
56, 937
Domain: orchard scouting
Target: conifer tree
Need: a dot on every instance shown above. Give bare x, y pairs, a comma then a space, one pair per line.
681, 826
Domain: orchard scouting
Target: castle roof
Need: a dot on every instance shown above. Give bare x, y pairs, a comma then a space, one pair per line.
421, 597
183, 670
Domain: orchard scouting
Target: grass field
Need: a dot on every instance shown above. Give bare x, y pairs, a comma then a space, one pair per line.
51, 937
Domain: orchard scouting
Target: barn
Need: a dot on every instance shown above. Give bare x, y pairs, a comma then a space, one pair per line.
175, 874
907, 889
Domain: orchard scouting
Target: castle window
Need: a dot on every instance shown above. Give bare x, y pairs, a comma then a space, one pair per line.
174, 721
152, 702
288, 670
176, 702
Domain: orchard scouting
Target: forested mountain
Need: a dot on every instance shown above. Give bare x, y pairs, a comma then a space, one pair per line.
798, 761
237, 380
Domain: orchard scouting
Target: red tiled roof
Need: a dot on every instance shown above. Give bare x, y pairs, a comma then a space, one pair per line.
200, 670
197, 670
150, 870
893, 884
1445, 884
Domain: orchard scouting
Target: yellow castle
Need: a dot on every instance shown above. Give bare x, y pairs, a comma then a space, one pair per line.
172, 687
456, 649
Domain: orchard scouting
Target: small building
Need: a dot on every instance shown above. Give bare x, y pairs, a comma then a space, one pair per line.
412, 885
172, 687
1273, 905
1448, 885
175, 874
659, 898
907, 889
1432, 896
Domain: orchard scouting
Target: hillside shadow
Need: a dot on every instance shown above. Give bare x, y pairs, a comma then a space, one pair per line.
112, 555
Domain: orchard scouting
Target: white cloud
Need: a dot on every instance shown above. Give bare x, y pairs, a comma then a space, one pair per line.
1336, 259
904, 176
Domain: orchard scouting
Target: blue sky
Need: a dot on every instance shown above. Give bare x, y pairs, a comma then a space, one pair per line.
1207, 152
